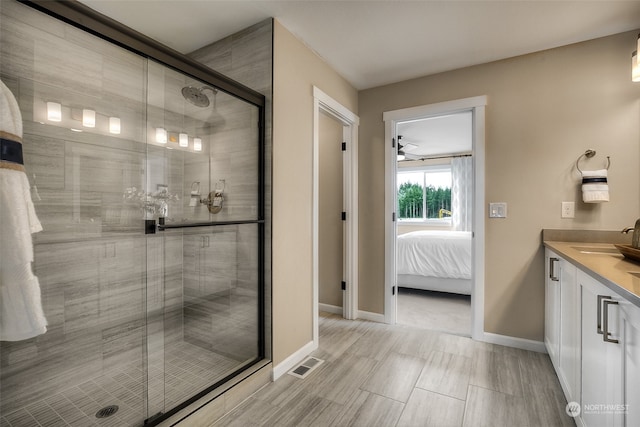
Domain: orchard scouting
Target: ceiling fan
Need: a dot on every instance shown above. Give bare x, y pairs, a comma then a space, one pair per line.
404, 151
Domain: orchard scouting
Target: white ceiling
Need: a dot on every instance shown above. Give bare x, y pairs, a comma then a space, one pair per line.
437, 136
372, 43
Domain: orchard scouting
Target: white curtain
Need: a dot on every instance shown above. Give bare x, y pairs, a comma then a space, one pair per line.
462, 193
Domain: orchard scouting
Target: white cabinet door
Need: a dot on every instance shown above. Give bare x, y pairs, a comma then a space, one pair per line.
631, 363
601, 360
569, 357
552, 307
562, 323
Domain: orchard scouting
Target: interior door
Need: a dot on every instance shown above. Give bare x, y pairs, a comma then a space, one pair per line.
331, 250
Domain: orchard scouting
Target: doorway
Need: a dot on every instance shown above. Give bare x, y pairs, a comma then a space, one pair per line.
434, 192
330, 223
444, 220
328, 108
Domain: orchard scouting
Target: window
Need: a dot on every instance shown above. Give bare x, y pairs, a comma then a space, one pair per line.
424, 195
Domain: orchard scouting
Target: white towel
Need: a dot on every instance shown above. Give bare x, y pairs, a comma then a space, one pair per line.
600, 173
21, 314
595, 188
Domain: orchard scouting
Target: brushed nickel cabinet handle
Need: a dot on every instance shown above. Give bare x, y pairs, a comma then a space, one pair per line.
605, 321
599, 323
552, 270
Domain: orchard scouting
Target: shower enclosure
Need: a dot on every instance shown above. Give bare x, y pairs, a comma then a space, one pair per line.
149, 184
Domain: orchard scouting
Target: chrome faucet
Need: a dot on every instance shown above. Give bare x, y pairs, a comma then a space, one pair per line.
635, 241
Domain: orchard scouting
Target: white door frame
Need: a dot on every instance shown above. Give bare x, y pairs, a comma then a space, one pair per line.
476, 105
350, 122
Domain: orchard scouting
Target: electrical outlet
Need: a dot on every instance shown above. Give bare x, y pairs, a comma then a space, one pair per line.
568, 210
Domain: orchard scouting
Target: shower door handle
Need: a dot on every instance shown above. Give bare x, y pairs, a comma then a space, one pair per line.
162, 226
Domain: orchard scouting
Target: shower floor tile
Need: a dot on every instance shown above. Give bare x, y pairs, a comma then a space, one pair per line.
184, 370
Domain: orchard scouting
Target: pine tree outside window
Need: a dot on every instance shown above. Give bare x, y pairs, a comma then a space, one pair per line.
424, 195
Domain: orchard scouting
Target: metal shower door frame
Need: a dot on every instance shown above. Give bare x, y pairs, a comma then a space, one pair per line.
85, 18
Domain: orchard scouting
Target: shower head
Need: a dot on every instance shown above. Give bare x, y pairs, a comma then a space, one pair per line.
196, 96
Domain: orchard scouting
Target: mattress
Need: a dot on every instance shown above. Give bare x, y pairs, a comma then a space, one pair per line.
434, 253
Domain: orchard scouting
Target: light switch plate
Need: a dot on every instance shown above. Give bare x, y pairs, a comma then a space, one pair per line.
498, 210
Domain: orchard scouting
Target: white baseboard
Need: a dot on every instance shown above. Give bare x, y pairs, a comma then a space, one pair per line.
374, 317
521, 343
287, 364
333, 309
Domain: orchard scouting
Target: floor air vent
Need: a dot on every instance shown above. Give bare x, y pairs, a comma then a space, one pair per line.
306, 367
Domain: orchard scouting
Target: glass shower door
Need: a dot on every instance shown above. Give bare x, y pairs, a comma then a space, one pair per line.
72, 89
141, 319
204, 298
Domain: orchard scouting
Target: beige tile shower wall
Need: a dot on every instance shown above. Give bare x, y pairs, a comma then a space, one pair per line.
233, 163
244, 56
91, 259
92, 64
94, 74
247, 58
544, 110
210, 263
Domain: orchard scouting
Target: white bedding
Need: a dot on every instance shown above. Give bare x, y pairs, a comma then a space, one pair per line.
433, 253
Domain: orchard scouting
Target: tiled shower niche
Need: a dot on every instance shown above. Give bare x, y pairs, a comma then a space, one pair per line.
141, 321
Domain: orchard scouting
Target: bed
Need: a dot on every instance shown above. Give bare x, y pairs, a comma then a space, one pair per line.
435, 260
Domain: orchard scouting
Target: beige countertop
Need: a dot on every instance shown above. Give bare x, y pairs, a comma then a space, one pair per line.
611, 269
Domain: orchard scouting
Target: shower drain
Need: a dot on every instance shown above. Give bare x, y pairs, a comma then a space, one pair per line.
107, 411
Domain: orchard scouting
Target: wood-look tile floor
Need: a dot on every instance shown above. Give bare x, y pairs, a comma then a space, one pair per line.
379, 375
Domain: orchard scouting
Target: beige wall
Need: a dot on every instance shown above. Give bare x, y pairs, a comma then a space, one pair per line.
544, 110
296, 70
330, 224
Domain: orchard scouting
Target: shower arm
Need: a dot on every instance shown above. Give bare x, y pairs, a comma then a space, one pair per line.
214, 90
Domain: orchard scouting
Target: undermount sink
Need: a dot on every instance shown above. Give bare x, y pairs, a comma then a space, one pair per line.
594, 250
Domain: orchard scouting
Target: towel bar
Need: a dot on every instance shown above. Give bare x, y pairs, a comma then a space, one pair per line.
589, 154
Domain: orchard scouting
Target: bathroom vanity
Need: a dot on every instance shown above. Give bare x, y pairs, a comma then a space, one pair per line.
592, 330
